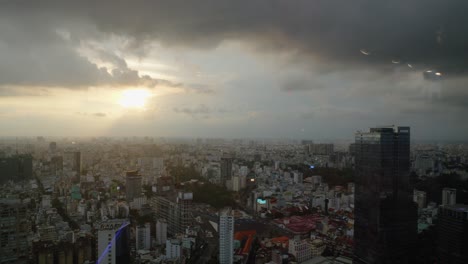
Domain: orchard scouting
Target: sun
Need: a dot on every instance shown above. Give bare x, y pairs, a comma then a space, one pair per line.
135, 98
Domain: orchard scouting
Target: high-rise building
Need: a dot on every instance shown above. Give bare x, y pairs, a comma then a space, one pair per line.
176, 209
143, 236
113, 242
52, 146
14, 229
449, 196
133, 185
226, 169
161, 231
16, 168
173, 249
385, 226
226, 236
452, 242
72, 160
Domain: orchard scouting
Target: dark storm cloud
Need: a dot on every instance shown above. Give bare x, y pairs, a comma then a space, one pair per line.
427, 32
36, 51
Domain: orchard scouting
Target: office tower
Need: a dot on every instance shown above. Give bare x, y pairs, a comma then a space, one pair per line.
14, 229
133, 185
161, 231
16, 168
226, 169
449, 196
226, 236
113, 242
385, 226
176, 209
73, 161
143, 237
452, 243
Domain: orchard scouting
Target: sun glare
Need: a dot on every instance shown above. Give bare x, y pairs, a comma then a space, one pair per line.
134, 98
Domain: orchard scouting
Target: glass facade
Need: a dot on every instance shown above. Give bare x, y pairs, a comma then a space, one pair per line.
385, 216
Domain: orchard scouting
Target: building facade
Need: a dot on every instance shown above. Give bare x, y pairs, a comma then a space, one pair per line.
453, 234
385, 227
133, 185
226, 236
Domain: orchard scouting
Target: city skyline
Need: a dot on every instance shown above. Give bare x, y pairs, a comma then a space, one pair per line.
233, 69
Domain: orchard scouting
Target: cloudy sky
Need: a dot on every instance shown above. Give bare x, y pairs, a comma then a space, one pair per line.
317, 69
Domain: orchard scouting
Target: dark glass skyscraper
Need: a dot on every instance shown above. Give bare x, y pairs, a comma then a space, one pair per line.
385, 227
452, 243
16, 168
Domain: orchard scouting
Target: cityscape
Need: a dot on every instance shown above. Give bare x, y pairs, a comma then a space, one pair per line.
379, 199
233, 132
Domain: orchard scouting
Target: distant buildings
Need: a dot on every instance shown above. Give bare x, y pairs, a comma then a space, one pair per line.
319, 149
449, 196
226, 236
453, 234
385, 226
16, 168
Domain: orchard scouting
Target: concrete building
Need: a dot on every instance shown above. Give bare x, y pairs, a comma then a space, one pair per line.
300, 249
449, 196
161, 231
452, 242
175, 208
226, 236
133, 185
173, 248
143, 236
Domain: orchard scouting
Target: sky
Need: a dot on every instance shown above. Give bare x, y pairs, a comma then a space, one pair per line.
300, 69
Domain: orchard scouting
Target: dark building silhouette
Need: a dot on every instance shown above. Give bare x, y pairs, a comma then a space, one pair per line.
73, 160
226, 169
452, 242
16, 168
385, 227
